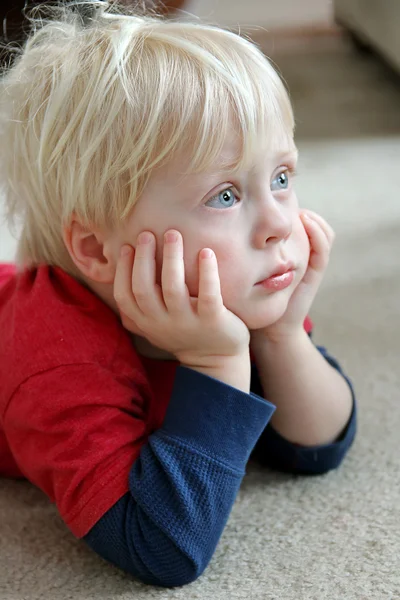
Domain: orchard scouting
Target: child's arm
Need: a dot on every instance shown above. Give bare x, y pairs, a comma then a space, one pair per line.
183, 485
313, 400
152, 500
278, 449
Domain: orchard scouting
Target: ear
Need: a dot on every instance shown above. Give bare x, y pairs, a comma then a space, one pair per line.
90, 251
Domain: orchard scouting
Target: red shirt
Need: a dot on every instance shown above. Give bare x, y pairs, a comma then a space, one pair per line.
77, 402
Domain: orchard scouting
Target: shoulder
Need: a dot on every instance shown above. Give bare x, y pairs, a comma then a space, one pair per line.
48, 320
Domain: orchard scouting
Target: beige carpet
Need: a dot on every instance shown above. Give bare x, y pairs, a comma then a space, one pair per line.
330, 537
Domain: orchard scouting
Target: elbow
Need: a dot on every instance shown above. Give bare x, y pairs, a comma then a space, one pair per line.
148, 554
190, 575
178, 574
178, 571
168, 582
322, 467
320, 462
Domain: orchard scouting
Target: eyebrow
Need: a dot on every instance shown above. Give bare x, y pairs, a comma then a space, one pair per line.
219, 172
278, 156
290, 152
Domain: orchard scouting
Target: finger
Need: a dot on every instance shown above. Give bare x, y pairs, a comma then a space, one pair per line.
210, 297
320, 246
174, 289
326, 228
122, 283
143, 280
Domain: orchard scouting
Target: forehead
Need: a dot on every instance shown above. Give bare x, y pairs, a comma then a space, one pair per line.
265, 153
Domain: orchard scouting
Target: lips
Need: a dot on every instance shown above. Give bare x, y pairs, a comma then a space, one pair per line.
280, 270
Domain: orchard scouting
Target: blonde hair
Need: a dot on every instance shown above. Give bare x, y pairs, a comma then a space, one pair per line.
91, 106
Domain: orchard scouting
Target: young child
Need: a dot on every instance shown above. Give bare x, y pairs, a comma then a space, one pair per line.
154, 334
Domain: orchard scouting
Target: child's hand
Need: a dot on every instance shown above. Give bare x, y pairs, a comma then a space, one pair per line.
321, 237
190, 328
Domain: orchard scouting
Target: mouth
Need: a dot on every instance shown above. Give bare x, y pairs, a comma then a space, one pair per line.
281, 278
280, 270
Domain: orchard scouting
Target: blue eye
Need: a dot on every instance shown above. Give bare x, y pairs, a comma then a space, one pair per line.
281, 182
224, 198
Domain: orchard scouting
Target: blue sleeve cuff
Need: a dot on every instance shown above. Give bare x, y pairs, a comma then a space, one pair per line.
214, 418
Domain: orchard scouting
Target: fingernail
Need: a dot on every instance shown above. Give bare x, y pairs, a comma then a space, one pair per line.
144, 238
207, 253
125, 250
171, 237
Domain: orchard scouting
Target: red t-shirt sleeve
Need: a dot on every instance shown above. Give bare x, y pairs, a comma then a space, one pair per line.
308, 325
7, 271
75, 432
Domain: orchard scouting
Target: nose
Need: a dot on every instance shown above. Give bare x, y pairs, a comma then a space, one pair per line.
274, 223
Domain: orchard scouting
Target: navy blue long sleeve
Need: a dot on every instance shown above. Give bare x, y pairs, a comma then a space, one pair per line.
184, 483
183, 486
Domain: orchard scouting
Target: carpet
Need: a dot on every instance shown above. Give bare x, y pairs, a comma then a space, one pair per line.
330, 537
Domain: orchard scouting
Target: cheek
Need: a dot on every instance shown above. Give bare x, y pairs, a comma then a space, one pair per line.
228, 266
159, 260
234, 276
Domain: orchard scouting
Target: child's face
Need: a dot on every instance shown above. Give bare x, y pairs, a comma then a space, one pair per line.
250, 219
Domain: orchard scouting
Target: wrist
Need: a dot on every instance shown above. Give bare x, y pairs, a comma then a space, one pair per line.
283, 337
232, 370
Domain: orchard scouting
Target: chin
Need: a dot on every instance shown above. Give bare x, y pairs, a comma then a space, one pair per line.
267, 312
